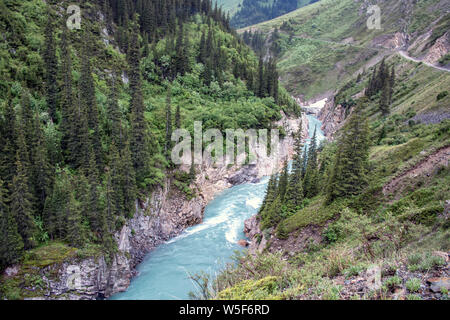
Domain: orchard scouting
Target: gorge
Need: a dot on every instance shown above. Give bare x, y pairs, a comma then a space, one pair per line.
164, 273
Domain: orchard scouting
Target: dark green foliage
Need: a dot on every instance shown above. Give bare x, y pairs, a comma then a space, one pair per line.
79, 142
442, 95
139, 130
8, 144
78, 145
384, 81
284, 195
21, 197
41, 169
168, 142
74, 232
51, 71
348, 177
55, 222
89, 105
311, 179
67, 100
128, 182
114, 126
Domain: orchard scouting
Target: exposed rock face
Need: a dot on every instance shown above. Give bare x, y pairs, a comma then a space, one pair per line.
332, 117
439, 49
390, 41
163, 216
251, 231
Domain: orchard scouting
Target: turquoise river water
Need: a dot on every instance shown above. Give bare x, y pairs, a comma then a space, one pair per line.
164, 273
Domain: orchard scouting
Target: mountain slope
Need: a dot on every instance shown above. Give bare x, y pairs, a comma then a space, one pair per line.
86, 118
373, 202
325, 43
255, 11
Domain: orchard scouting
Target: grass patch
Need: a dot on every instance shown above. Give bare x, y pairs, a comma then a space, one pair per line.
316, 213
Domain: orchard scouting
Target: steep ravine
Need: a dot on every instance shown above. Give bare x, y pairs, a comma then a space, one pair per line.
165, 215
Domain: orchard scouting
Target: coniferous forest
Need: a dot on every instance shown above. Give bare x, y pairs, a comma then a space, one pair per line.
86, 119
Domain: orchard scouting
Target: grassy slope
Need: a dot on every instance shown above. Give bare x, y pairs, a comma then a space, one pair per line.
316, 58
229, 5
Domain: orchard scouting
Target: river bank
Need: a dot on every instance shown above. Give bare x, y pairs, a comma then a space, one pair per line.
165, 273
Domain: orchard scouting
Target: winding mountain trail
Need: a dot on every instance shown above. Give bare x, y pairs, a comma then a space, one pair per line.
384, 52
405, 55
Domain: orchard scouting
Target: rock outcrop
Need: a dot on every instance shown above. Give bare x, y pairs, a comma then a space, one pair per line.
332, 117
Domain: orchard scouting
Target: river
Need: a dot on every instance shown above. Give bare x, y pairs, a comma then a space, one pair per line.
164, 273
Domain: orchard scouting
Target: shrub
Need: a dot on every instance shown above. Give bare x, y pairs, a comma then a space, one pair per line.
413, 297
263, 289
282, 233
442, 95
414, 259
392, 282
337, 261
430, 262
413, 284
331, 234
353, 271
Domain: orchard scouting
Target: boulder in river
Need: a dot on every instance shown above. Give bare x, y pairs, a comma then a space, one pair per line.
243, 243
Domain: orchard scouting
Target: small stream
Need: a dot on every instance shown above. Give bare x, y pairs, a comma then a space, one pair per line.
164, 273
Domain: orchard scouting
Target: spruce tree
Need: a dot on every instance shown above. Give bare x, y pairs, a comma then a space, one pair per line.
79, 143
178, 117
310, 182
89, 104
168, 142
74, 234
68, 119
295, 186
115, 127
93, 208
55, 217
42, 171
283, 182
349, 174
11, 246
128, 181
51, 71
139, 130
9, 144
115, 175
22, 199
110, 205
261, 78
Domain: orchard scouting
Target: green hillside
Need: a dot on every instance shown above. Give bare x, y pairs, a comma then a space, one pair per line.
90, 112
324, 44
230, 6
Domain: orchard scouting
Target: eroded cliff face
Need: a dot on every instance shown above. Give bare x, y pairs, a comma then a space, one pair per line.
332, 117
163, 216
